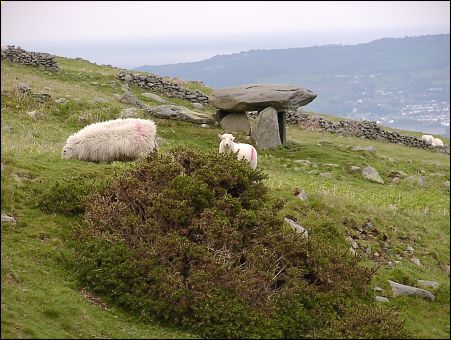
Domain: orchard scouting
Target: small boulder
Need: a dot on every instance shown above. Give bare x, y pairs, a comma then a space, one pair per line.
381, 299
296, 227
400, 289
130, 112
371, 174
154, 97
180, 113
62, 101
416, 261
8, 219
429, 284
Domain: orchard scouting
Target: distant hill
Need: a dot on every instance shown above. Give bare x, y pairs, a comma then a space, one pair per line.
401, 82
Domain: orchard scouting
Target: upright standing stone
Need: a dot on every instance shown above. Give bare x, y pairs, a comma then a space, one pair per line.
235, 122
266, 132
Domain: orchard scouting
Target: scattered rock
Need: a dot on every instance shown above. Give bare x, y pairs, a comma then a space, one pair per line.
421, 181
41, 97
416, 261
3, 167
62, 100
205, 125
155, 97
325, 174
381, 299
371, 174
304, 162
397, 173
8, 219
446, 184
378, 289
180, 113
354, 168
296, 227
302, 195
99, 100
130, 112
331, 165
400, 289
409, 249
32, 114
395, 180
431, 284
370, 149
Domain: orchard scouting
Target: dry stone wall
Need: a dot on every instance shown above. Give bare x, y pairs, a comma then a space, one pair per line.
364, 129
36, 59
152, 82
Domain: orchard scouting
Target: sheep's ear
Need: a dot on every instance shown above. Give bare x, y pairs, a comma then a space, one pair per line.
220, 136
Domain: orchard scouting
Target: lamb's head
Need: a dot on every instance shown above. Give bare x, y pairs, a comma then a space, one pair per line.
67, 152
226, 140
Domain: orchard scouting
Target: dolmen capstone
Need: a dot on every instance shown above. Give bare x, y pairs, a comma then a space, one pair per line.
270, 100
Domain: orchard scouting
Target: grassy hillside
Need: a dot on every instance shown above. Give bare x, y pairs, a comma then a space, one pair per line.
41, 298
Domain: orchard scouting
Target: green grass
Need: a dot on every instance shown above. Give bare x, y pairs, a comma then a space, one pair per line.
42, 299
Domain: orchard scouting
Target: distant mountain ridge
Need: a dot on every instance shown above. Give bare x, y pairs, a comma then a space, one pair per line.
401, 82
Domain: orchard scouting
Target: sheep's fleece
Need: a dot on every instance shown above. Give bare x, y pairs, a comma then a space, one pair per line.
114, 140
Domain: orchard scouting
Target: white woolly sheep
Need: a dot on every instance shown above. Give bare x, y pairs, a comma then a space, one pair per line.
427, 138
436, 142
244, 151
114, 140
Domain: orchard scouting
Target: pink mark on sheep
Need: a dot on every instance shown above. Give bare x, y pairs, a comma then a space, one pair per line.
139, 132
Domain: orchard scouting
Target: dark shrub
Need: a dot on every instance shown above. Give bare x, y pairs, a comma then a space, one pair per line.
196, 239
66, 196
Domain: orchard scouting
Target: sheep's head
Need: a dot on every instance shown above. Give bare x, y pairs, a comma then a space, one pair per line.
226, 139
67, 152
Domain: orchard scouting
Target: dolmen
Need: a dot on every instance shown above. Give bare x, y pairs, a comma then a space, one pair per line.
271, 101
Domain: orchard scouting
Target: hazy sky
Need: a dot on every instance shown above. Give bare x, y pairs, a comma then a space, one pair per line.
131, 34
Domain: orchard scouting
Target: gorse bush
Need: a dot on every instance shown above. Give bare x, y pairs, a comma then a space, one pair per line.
67, 195
196, 239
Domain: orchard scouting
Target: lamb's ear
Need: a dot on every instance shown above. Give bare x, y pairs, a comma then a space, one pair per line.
220, 136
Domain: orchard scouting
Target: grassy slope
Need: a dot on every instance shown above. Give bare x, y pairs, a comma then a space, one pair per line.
41, 299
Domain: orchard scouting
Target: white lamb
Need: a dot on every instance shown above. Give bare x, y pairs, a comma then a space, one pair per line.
244, 151
114, 140
437, 142
427, 138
